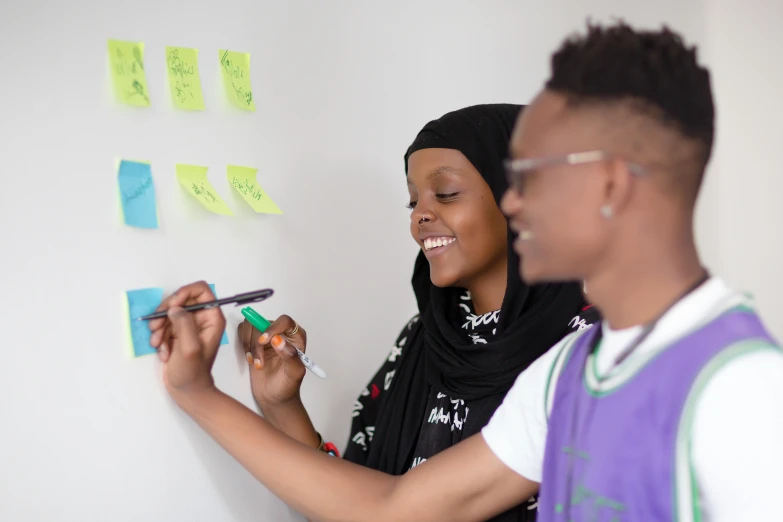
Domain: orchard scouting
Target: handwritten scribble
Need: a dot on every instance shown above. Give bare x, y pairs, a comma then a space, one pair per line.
140, 191
247, 188
137, 194
127, 68
243, 179
193, 178
182, 70
184, 81
199, 189
138, 57
236, 78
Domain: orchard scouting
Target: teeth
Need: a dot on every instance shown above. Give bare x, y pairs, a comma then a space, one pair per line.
431, 242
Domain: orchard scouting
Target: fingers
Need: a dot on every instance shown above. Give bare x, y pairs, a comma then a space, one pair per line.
278, 340
184, 328
198, 292
244, 338
261, 353
247, 335
281, 332
161, 336
160, 329
283, 348
164, 350
285, 326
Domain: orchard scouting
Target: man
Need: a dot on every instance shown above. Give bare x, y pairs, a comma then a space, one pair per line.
670, 410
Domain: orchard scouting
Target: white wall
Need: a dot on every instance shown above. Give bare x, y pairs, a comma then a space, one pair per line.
341, 89
744, 52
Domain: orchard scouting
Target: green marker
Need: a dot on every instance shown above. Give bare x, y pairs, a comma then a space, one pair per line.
261, 324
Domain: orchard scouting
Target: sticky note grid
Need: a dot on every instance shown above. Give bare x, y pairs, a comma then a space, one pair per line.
136, 185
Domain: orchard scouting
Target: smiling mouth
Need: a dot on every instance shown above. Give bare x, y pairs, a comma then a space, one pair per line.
432, 243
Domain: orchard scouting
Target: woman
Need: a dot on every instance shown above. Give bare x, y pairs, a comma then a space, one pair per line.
478, 325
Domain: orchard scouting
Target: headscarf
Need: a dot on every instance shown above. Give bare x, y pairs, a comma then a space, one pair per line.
438, 355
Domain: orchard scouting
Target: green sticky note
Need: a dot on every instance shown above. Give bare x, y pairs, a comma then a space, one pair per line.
127, 71
243, 179
236, 78
184, 78
194, 179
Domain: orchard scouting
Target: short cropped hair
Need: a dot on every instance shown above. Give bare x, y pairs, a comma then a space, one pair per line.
653, 70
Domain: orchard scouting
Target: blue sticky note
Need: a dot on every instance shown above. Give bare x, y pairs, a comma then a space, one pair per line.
140, 303
224, 339
137, 194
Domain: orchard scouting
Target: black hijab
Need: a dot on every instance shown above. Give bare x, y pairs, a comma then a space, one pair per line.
438, 355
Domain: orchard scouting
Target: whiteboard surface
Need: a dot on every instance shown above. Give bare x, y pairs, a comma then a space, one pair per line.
341, 89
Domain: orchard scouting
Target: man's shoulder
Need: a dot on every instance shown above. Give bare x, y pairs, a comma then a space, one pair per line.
539, 377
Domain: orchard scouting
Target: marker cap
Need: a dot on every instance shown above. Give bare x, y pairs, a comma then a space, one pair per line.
255, 319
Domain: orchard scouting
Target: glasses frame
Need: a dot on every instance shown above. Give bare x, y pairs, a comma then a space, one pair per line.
516, 169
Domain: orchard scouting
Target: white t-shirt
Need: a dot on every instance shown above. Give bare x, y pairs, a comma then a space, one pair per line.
737, 437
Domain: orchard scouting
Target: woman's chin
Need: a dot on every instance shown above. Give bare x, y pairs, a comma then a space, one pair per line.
443, 280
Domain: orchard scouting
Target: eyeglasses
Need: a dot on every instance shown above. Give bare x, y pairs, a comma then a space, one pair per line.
518, 169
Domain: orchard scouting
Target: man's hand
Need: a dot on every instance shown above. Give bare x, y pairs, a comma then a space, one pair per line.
188, 341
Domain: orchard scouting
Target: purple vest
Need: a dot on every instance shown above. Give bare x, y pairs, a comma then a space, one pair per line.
611, 456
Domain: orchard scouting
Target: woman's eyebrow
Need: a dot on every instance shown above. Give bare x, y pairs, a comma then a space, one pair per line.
441, 171
444, 169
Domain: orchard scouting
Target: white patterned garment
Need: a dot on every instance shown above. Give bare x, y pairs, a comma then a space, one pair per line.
445, 417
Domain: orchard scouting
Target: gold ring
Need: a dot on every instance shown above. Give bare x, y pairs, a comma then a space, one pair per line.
294, 331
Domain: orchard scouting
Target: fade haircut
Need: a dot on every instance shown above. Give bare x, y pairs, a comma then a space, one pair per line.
654, 73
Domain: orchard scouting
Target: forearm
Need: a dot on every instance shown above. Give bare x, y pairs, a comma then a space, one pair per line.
465, 483
292, 419
317, 485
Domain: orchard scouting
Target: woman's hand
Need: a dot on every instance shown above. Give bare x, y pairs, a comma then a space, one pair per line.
276, 372
188, 342
276, 375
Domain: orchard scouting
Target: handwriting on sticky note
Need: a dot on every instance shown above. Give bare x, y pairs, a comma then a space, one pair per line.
235, 69
137, 194
184, 78
243, 179
194, 179
224, 339
128, 75
140, 303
